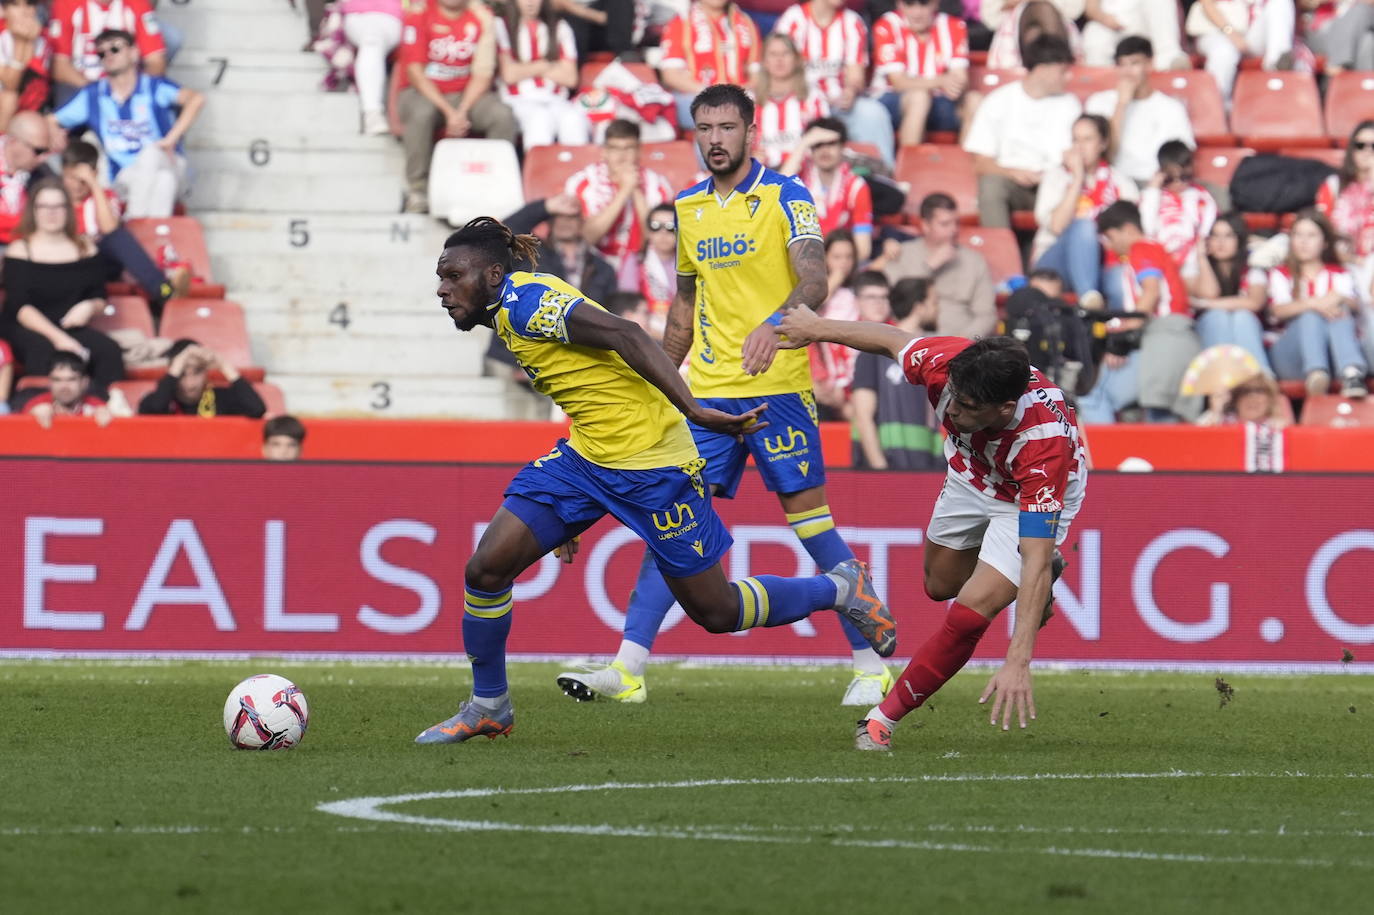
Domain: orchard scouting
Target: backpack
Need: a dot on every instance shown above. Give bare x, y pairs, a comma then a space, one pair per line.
1277, 184
1054, 335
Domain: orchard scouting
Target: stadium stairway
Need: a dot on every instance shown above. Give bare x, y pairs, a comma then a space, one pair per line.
301, 217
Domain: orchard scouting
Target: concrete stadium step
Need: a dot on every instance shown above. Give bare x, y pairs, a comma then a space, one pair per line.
443, 352
381, 160
215, 71
408, 281
242, 140
382, 395
279, 118
231, 26
349, 318
234, 233
215, 189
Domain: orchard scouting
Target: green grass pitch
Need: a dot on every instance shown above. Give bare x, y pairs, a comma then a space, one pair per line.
731, 790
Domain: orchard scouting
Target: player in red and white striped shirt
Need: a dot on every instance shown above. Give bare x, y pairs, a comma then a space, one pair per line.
1016, 480
920, 68
833, 41
536, 60
785, 102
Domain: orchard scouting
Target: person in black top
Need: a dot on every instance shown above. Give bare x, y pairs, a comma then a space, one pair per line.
185, 389
54, 286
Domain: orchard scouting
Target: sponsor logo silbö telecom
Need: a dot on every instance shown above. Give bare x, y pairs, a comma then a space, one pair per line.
720, 252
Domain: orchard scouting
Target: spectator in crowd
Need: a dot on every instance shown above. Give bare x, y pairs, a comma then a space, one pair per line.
283, 437
1254, 400
1143, 119
6, 371
963, 283
1313, 299
616, 195
186, 391
97, 210
140, 121
25, 60
833, 41
1176, 211
658, 274
1342, 31
75, 29
1346, 199
537, 61
1228, 295
713, 42
1066, 207
616, 26
891, 425
1016, 24
54, 285
832, 364
1112, 21
843, 199
373, 28
921, 68
21, 164
68, 393
785, 102
1147, 353
1021, 130
841, 266
1227, 30
632, 307
447, 82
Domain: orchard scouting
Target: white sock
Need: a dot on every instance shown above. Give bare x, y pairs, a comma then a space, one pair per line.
491, 703
876, 714
866, 660
633, 656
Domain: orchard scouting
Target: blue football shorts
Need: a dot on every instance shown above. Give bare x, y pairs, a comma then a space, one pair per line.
787, 453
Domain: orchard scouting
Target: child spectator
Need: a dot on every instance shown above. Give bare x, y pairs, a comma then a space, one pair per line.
843, 199
1312, 298
140, 121
785, 102
1176, 211
920, 68
1227, 293
373, 27
713, 42
25, 60
537, 62
1143, 119
67, 394
1254, 400
185, 389
283, 437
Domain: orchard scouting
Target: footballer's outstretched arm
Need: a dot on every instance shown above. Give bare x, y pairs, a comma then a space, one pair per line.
603, 330
801, 326
677, 335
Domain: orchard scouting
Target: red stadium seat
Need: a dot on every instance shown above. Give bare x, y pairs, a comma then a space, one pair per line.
218, 324
1217, 164
1272, 110
676, 161
25, 382
189, 240
123, 311
1084, 81
984, 80
998, 247
1349, 100
1335, 410
547, 168
271, 396
929, 168
1198, 92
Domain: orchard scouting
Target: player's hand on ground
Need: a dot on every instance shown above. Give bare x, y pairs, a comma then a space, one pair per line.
1011, 686
738, 425
798, 328
567, 551
759, 349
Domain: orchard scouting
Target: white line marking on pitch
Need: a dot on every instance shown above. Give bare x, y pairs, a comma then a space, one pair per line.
370, 808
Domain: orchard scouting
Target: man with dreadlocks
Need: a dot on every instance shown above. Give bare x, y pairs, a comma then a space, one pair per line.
629, 454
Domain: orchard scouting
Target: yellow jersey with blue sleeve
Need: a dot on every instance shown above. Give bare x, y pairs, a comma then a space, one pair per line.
737, 248
619, 420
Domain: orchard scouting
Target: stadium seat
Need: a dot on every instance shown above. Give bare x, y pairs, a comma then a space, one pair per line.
548, 167
218, 324
863, 149
1349, 100
470, 178
929, 168
676, 161
24, 382
1217, 164
1084, 81
1271, 110
1198, 92
1332, 157
272, 396
186, 236
1340, 412
984, 80
998, 247
124, 311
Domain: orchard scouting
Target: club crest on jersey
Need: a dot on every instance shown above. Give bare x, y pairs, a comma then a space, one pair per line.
693, 470
753, 201
549, 319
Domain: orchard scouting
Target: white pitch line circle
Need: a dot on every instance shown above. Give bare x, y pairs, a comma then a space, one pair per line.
371, 809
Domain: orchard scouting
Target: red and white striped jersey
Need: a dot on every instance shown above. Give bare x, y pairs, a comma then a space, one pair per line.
86, 222
1029, 462
76, 23
721, 49
897, 49
827, 49
846, 204
1351, 211
532, 43
595, 189
1178, 220
1331, 278
1148, 260
780, 122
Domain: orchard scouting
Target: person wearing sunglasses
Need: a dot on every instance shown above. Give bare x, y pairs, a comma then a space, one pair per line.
75, 30
140, 121
658, 278
1346, 199
22, 150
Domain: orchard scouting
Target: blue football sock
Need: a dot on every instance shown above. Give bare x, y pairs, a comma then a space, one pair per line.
770, 600
650, 602
486, 624
815, 529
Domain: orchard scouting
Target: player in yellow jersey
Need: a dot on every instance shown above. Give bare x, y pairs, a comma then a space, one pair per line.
629, 454
749, 249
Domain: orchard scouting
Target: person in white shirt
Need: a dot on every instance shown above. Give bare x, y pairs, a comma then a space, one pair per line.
1227, 30
1142, 119
1109, 21
1021, 130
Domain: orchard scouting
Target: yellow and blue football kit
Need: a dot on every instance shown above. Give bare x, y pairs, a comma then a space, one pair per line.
629, 452
737, 247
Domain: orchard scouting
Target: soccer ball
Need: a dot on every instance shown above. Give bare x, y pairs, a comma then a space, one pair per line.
266, 712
